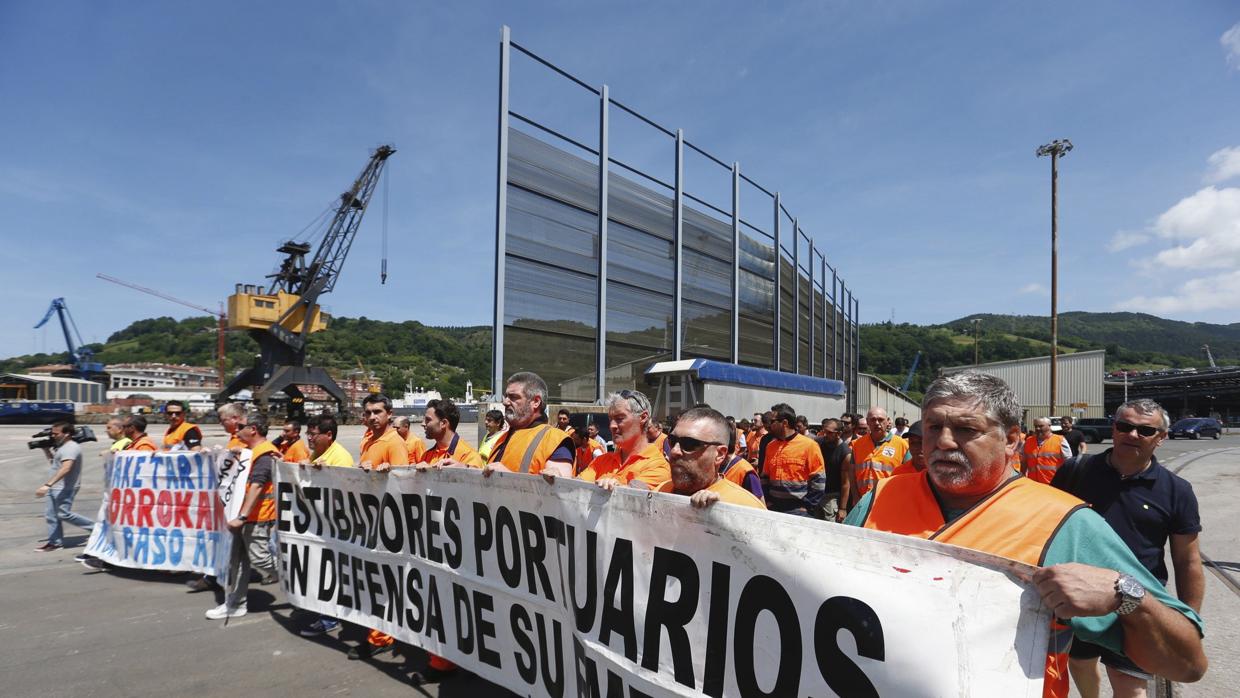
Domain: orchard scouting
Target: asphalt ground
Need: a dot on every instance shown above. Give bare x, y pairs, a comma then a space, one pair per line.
67, 631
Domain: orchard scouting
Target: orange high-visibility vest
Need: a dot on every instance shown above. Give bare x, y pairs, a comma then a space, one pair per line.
528, 449
736, 469
142, 443
266, 504
727, 490
295, 452
172, 437
876, 462
1017, 521
1043, 459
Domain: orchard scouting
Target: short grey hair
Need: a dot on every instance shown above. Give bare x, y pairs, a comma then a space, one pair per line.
401, 421
1147, 407
1041, 419
990, 392
718, 423
232, 409
637, 401
531, 384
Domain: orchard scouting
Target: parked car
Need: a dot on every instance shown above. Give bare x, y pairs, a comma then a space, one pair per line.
1094, 429
1196, 427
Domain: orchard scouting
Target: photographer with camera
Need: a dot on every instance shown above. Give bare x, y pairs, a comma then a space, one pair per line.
61, 487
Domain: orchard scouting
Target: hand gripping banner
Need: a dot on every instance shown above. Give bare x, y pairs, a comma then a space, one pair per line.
164, 511
563, 589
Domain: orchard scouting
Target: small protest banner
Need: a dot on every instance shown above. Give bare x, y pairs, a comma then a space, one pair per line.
564, 589
162, 511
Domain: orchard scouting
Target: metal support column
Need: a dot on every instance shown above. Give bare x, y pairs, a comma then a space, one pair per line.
778, 292
677, 242
736, 262
812, 295
856, 330
603, 158
836, 357
796, 295
501, 221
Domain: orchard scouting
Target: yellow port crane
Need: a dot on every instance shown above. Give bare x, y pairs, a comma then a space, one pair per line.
281, 317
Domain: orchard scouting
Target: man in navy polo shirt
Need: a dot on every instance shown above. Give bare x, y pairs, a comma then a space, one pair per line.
1147, 505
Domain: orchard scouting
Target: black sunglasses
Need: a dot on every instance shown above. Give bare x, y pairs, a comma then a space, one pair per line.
1143, 429
688, 444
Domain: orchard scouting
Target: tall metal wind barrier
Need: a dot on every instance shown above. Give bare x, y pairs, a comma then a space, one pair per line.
620, 243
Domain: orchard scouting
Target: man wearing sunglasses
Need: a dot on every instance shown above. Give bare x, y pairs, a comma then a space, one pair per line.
638, 460
1043, 452
968, 496
181, 435
1147, 506
794, 475
700, 448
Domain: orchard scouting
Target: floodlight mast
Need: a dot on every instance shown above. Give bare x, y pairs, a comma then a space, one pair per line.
1055, 149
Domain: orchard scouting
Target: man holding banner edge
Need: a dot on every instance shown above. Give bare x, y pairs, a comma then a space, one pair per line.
1087, 576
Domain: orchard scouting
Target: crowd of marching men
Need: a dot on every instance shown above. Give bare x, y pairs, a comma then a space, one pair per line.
777, 461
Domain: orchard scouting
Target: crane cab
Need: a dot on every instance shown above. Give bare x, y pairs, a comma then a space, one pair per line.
252, 307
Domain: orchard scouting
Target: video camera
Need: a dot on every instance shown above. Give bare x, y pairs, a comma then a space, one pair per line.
43, 439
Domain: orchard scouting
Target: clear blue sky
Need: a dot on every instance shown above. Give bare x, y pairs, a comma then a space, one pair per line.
176, 144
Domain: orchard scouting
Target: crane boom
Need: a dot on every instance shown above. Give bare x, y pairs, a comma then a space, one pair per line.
220, 316
158, 294
908, 380
1209, 356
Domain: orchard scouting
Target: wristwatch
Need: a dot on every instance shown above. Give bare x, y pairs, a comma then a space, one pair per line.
1130, 593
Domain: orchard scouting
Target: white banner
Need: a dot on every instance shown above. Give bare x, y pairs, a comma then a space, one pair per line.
162, 511
564, 589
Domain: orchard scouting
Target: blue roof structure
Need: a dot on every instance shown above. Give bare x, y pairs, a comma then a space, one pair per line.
722, 372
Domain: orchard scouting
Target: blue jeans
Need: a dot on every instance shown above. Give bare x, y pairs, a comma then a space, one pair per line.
59, 510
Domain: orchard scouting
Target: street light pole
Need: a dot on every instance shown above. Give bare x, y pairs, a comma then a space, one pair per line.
1055, 149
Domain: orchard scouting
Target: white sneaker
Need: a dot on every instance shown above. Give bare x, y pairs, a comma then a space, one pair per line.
223, 611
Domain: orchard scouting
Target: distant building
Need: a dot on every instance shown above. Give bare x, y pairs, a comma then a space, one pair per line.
873, 391
159, 375
43, 387
1078, 383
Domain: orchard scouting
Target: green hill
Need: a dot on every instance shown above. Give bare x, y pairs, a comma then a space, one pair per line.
443, 358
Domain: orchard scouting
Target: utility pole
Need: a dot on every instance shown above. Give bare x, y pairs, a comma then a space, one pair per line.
1056, 149
977, 328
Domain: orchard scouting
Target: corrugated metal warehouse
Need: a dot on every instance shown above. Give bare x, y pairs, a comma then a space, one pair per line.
1078, 389
873, 391
20, 386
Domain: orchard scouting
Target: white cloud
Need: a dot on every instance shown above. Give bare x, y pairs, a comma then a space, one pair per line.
1204, 231
1218, 292
1125, 239
1231, 44
1224, 164
1205, 228
1035, 289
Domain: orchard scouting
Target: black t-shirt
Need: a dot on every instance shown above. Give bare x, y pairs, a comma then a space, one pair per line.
1075, 438
835, 457
1144, 509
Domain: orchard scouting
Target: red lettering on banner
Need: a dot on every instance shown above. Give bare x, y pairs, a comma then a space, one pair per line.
127, 507
163, 508
114, 505
180, 511
205, 511
146, 500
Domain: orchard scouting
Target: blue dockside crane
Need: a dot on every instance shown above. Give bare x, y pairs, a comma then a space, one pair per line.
82, 358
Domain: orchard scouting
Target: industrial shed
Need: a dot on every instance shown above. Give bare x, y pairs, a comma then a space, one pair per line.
21, 386
1078, 383
873, 391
